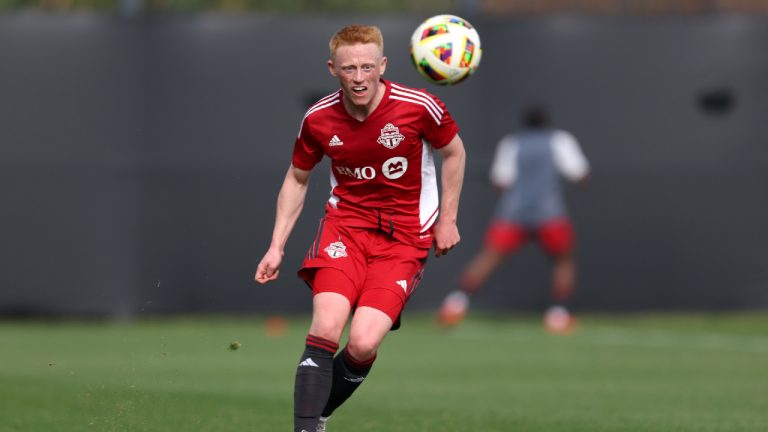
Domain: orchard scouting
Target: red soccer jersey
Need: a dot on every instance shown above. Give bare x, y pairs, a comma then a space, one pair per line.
382, 168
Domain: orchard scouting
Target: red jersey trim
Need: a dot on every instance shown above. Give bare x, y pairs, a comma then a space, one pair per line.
419, 98
322, 101
330, 100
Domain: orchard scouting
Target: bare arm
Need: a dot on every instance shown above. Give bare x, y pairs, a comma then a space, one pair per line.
452, 178
290, 201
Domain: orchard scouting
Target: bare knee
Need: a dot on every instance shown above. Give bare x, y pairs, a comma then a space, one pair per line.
563, 262
329, 316
327, 328
368, 329
363, 343
327, 325
362, 347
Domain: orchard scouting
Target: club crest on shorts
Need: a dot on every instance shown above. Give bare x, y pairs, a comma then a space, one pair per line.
390, 136
336, 250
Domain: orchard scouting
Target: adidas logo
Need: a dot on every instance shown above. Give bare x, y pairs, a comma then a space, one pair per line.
335, 141
308, 362
403, 284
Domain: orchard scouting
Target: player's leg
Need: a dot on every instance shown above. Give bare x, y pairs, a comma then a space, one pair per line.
480, 269
352, 365
314, 372
501, 239
557, 239
563, 278
331, 268
456, 303
392, 278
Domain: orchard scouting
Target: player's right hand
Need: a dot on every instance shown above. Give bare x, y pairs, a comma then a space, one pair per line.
446, 237
269, 267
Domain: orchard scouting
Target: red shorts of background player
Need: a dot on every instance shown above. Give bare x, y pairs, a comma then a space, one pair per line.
366, 266
555, 236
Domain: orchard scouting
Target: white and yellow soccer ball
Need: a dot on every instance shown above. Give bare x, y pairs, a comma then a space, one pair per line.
445, 49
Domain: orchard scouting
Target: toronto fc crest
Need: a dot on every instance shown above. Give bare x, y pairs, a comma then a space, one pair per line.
336, 250
390, 136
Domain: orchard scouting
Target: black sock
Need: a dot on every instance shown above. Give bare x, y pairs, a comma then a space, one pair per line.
348, 374
313, 382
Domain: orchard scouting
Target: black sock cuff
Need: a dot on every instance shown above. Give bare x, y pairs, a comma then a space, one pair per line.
322, 344
356, 366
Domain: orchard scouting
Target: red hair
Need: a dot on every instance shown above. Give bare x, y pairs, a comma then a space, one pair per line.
355, 34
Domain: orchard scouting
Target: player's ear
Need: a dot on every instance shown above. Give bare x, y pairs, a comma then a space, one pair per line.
331, 69
383, 65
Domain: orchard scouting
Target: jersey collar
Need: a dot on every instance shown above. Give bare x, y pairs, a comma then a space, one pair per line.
384, 100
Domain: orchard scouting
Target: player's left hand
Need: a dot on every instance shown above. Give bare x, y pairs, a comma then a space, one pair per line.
446, 238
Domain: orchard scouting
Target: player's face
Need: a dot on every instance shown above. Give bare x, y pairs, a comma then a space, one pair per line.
358, 68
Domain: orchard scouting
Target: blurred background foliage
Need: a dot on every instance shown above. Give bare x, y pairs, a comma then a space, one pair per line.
487, 7
235, 5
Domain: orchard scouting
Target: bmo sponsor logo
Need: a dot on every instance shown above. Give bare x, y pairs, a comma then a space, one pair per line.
392, 168
367, 173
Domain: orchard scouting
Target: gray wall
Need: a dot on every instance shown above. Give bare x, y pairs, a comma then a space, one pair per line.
140, 160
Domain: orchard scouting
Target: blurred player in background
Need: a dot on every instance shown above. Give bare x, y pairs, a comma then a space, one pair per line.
527, 169
380, 221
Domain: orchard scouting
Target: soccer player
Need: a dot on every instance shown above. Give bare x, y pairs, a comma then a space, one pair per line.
381, 218
527, 168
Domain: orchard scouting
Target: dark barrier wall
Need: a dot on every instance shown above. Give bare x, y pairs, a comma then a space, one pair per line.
140, 161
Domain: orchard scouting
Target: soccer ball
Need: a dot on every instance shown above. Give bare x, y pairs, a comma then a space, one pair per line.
445, 49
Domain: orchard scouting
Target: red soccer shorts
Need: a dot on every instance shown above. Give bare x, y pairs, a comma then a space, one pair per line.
366, 266
555, 236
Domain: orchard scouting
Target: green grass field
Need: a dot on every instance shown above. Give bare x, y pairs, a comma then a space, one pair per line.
650, 373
